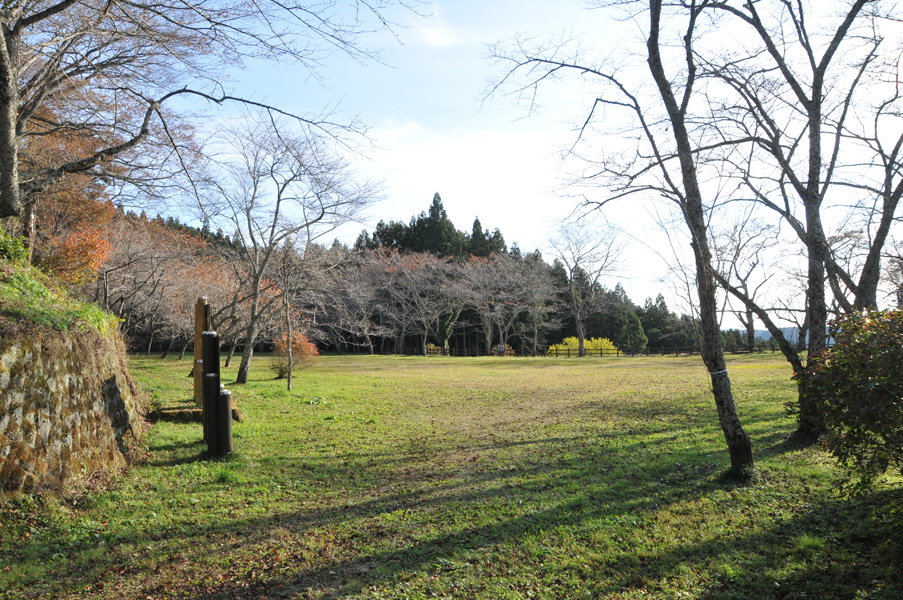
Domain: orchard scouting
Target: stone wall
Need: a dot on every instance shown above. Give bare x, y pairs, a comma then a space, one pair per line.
68, 408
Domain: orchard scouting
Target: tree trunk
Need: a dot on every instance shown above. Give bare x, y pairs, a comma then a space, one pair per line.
247, 353
232, 348
288, 346
750, 330
738, 442
172, 343
29, 228
184, 348
581, 338
10, 201
811, 423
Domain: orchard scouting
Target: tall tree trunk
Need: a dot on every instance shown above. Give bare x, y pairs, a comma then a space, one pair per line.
10, 201
811, 423
738, 442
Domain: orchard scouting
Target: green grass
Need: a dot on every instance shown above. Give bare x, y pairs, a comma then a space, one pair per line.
29, 296
485, 478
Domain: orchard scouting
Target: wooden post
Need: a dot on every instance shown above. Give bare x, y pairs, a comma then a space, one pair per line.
211, 391
224, 423
201, 316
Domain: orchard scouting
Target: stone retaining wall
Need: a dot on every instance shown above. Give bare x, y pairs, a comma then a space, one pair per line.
68, 408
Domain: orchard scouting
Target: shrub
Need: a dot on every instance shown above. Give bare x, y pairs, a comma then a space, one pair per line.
304, 354
11, 248
592, 345
858, 387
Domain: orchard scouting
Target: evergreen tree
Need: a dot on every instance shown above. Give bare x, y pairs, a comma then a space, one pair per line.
497, 243
478, 242
393, 235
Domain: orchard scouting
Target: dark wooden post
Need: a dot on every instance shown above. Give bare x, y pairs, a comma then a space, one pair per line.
201, 317
224, 422
210, 371
217, 400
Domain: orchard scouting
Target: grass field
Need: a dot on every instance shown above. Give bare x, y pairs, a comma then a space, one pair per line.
486, 478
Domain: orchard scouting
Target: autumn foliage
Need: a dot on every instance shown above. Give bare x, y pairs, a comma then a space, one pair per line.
76, 256
304, 353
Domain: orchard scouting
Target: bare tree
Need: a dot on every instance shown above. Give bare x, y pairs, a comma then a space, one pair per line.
482, 284
110, 70
153, 277
587, 253
667, 163
742, 253
805, 111
415, 289
281, 189
538, 314
349, 304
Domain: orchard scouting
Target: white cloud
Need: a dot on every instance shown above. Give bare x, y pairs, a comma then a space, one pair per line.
433, 31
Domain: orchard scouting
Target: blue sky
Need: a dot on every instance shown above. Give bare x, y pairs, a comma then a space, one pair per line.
435, 130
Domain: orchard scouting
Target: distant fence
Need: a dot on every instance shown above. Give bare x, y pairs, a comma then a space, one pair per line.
572, 353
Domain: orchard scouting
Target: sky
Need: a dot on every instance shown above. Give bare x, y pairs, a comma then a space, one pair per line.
435, 129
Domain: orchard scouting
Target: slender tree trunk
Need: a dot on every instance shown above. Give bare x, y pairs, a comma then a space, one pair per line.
867, 290
172, 343
232, 348
29, 228
577, 309
150, 342
581, 338
738, 442
247, 353
184, 348
750, 324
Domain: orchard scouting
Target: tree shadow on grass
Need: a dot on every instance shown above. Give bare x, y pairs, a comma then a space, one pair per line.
827, 550
407, 525
407, 514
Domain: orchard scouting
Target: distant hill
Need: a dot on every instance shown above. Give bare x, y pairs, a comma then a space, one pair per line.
791, 333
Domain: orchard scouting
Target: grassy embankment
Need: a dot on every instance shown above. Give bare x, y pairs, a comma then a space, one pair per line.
466, 478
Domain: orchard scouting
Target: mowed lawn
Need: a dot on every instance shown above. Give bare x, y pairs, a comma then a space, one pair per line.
406, 478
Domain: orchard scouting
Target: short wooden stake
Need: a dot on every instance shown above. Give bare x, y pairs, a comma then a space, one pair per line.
224, 423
